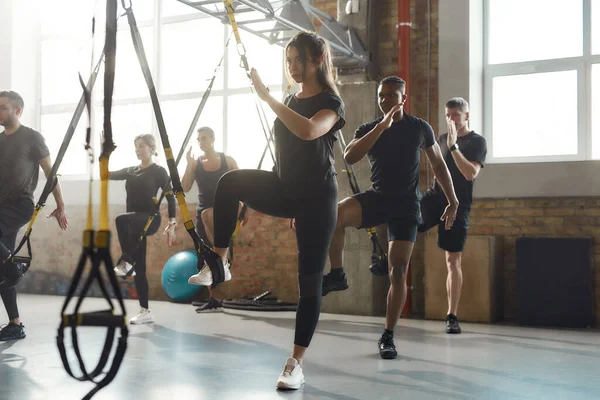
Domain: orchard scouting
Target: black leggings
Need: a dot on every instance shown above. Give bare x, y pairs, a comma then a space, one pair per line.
129, 229
315, 223
13, 215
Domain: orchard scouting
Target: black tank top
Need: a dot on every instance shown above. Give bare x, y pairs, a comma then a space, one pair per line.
207, 182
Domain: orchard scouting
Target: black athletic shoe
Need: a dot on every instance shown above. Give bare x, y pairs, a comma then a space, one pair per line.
387, 348
212, 305
452, 324
333, 283
12, 332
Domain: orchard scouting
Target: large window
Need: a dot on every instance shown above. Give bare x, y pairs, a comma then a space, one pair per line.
541, 80
183, 48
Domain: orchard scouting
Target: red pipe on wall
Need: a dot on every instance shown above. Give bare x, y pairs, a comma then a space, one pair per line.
404, 27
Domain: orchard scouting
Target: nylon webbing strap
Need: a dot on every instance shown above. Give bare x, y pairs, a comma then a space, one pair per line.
244, 61
200, 108
96, 248
52, 179
202, 250
184, 145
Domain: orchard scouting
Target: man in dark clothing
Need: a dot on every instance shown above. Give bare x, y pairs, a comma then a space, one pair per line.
206, 171
392, 144
22, 152
464, 152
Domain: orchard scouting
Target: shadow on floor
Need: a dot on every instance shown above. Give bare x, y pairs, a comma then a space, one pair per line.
15, 381
449, 381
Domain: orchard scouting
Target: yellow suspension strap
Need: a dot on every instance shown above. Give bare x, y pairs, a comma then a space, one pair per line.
204, 253
184, 145
96, 248
244, 64
379, 257
257, 102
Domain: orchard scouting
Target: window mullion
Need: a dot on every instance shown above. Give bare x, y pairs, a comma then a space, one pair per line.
587, 28
585, 85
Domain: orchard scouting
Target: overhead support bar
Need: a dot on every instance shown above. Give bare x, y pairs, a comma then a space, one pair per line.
289, 16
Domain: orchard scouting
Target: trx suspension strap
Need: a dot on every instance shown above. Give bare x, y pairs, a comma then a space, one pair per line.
96, 248
379, 255
22, 263
257, 102
205, 255
244, 63
184, 145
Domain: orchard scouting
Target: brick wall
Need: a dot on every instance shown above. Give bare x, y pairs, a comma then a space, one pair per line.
265, 257
388, 39
327, 6
556, 217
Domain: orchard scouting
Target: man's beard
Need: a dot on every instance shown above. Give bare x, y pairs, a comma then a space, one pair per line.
8, 123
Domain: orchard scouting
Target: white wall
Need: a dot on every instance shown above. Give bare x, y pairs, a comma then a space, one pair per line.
6, 29
461, 74
25, 58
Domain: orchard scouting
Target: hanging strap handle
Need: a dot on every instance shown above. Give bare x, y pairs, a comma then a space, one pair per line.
184, 145
96, 247
52, 179
244, 62
204, 252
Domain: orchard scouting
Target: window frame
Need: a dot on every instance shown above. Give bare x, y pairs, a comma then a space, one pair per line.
583, 66
157, 25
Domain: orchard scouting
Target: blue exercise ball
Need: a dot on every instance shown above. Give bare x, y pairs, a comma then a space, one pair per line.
175, 275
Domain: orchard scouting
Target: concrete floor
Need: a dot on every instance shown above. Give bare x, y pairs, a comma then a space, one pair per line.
239, 355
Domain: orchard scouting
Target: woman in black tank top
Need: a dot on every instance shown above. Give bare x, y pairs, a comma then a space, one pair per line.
206, 171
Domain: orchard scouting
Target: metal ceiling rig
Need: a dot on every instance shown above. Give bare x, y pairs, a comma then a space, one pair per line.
276, 21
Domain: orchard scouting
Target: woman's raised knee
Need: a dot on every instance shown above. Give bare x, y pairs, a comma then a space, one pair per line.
122, 220
233, 177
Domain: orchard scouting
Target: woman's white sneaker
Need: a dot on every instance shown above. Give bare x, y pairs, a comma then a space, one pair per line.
205, 278
143, 317
292, 376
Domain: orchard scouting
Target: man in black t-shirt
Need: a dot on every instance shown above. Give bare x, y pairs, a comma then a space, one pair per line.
22, 152
464, 152
392, 144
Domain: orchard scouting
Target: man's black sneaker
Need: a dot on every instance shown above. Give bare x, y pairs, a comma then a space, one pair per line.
387, 349
332, 283
12, 332
212, 305
452, 324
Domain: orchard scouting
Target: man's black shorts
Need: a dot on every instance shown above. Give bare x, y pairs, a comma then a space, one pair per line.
432, 208
377, 210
